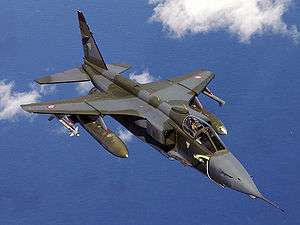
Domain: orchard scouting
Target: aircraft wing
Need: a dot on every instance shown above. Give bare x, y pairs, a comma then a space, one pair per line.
180, 88
100, 104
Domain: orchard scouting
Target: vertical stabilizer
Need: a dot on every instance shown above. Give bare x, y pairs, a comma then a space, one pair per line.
90, 48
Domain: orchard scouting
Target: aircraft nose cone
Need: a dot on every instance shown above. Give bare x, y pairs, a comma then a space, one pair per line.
226, 170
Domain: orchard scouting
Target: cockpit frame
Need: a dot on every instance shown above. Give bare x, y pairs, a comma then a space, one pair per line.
202, 133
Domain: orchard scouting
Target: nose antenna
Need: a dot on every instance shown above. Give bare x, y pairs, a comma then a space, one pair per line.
271, 203
275, 205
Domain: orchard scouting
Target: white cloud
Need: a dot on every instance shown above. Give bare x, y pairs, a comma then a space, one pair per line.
11, 100
243, 18
142, 78
125, 135
84, 87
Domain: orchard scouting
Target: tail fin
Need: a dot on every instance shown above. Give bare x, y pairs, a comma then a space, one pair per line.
90, 48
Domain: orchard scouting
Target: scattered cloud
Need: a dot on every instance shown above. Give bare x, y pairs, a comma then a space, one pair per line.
142, 78
125, 135
84, 87
44, 89
10, 100
242, 18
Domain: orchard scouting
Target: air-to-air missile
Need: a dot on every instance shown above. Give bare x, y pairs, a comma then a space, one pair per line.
165, 114
67, 122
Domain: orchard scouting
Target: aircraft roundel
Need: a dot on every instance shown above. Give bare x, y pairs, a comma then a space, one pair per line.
51, 106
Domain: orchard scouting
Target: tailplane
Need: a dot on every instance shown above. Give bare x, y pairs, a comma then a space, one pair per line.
90, 48
91, 54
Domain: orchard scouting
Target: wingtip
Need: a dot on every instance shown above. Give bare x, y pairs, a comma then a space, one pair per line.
27, 107
38, 81
24, 107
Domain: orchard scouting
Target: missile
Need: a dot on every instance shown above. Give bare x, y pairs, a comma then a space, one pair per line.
108, 139
68, 123
209, 94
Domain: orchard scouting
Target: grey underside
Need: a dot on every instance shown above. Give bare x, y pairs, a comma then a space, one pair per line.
137, 127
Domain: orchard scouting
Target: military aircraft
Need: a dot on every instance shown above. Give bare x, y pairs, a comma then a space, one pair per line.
165, 114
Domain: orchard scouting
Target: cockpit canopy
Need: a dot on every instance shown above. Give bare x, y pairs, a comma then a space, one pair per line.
93, 91
202, 133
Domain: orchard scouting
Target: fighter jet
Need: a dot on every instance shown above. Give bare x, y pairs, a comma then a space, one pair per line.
166, 114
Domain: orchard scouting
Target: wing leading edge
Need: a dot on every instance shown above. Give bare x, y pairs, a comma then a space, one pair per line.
181, 88
89, 105
196, 81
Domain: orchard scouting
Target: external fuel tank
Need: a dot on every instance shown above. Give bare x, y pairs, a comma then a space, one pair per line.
108, 139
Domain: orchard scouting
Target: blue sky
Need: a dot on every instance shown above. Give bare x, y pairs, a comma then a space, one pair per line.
48, 178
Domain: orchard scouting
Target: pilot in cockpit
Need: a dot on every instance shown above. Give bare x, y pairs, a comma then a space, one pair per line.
203, 134
194, 124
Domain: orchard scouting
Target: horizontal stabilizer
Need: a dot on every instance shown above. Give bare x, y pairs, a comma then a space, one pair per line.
73, 75
118, 68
